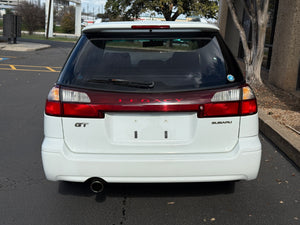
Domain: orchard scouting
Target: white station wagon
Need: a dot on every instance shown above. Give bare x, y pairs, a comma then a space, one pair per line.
151, 102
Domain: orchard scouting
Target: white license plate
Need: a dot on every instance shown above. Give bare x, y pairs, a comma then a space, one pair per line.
150, 127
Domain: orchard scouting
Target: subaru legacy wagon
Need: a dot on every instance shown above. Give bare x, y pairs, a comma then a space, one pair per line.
151, 102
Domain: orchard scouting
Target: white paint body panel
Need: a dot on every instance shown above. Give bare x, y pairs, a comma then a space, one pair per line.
115, 134
172, 24
144, 161
249, 126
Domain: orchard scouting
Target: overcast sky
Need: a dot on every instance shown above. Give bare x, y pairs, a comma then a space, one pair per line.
97, 5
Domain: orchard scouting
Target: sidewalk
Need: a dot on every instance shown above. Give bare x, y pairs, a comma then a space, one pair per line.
22, 46
283, 137
27, 46
279, 117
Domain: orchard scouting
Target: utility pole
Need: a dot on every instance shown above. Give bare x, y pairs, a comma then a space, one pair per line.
49, 22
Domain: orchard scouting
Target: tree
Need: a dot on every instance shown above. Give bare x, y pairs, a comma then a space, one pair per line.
257, 11
60, 7
121, 9
33, 16
8, 11
68, 20
170, 9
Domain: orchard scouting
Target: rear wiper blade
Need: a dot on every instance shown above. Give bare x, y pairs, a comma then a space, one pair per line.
123, 82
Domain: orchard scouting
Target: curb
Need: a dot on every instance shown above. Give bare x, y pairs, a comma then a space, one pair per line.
23, 47
286, 140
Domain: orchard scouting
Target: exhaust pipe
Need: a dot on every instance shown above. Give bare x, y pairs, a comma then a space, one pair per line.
97, 185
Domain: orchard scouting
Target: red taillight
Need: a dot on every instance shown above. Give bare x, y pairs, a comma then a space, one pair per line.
53, 105
53, 108
248, 107
221, 109
233, 102
81, 110
150, 27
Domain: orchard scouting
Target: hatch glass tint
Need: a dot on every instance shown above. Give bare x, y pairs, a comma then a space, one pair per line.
153, 64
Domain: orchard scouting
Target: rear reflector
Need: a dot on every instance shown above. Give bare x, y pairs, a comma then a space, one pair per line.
53, 108
150, 27
248, 107
221, 109
81, 110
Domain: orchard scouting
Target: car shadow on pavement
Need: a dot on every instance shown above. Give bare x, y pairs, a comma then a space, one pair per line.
148, 190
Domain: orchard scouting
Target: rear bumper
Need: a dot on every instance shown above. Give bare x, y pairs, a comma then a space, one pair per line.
240, 164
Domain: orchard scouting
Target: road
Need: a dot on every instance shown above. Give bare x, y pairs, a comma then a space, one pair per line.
27, 198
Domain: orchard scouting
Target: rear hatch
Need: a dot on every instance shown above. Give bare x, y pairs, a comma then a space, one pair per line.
148, 92
164, 123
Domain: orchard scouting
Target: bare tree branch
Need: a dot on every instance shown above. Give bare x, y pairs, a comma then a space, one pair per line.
258, 4
240, 29
252, 8
266, 6
176, 14
263, 17
249, 9
265, 12
258, 14
259, 11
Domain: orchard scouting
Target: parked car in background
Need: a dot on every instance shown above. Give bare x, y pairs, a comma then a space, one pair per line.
86, 23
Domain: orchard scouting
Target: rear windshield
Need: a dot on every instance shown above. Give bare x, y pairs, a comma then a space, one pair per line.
150, 64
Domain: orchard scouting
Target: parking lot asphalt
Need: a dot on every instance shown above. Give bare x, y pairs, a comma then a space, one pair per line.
26, 197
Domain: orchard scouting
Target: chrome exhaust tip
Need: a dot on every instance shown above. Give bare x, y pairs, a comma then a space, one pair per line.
97, 185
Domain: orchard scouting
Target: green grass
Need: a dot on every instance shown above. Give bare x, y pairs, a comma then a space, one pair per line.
58, 29
41, 37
